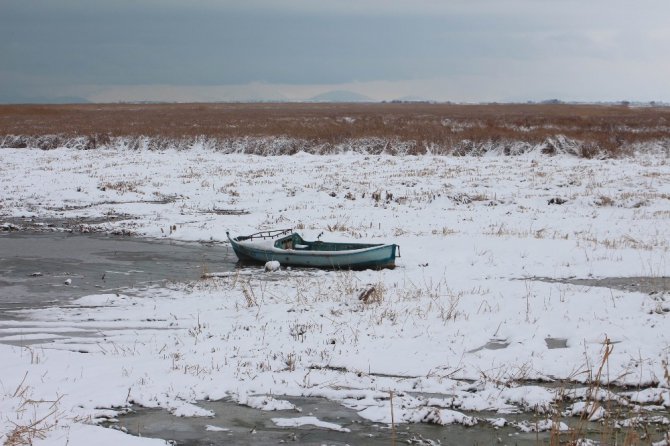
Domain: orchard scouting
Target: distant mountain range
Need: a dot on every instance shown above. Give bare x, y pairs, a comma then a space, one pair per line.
340, 96
8, 99
410, 99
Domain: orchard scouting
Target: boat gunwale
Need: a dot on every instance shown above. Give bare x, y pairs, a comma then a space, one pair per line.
255, 246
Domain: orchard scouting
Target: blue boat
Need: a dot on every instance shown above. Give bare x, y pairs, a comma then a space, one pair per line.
289, 249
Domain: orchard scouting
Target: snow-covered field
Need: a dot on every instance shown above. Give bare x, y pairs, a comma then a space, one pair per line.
460, 326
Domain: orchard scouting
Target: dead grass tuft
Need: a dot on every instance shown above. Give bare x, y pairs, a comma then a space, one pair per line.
372, 294
44, 418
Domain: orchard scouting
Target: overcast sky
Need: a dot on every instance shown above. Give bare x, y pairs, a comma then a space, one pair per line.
465, 51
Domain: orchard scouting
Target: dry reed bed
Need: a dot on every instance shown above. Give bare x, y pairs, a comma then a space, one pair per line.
286, 128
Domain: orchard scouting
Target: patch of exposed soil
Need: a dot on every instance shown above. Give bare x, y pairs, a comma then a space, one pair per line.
649, 285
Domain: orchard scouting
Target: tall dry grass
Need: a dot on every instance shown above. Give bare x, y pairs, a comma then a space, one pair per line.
448, 128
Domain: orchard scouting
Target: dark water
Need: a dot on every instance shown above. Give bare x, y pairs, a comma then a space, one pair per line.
650, 285
246, 426
34, 267
241, 425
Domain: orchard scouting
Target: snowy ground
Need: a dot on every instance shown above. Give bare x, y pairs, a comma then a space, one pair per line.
473, 232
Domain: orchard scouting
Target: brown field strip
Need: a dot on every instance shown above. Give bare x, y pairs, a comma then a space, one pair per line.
608, 127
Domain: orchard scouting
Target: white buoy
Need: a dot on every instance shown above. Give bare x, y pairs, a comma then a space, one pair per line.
272, 265
68, 281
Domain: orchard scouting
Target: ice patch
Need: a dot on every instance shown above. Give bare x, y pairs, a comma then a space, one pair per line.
211, 428
266, 403
308, 421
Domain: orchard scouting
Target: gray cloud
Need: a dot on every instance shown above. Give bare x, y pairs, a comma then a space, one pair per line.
48, 47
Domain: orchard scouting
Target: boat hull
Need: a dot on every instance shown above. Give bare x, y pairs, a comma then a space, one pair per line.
369, 257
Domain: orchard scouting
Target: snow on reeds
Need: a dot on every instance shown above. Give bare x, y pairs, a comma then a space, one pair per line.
590, 131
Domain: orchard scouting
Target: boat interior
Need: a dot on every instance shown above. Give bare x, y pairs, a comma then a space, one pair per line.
297, 243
